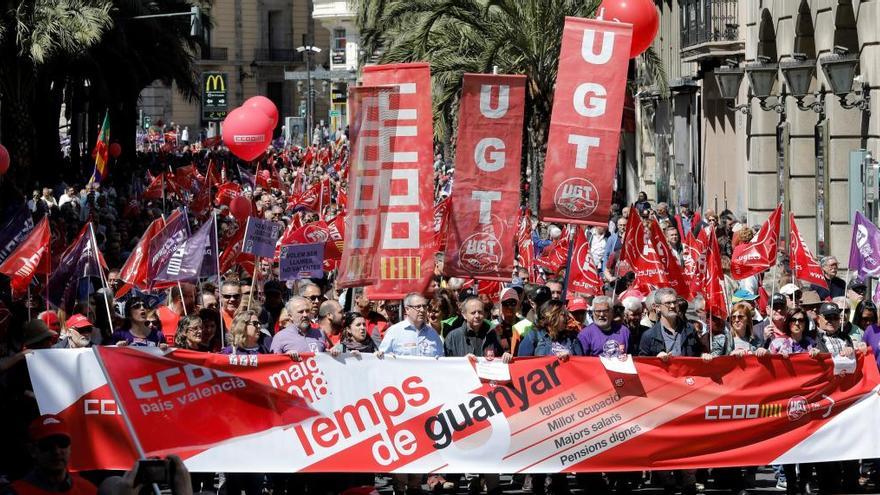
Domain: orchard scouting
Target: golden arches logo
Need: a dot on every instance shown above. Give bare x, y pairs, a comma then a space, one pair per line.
215, 82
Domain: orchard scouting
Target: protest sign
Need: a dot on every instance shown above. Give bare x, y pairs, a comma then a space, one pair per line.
260, 237
298, 261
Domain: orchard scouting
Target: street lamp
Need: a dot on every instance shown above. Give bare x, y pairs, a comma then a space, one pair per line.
840, 70
310, 101
729, 78
798, 74
762, 77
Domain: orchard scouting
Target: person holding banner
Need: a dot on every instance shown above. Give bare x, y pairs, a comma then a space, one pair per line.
135, 331
246, 335
299, 336
355, 338
189, 333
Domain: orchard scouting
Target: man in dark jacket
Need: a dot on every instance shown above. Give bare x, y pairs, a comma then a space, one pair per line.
475, 336
672, 336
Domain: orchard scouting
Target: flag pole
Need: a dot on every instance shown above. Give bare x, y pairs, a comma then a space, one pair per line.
125, 417
217, 261
253, 281
180, 293
29, 303
571, 231
101, 271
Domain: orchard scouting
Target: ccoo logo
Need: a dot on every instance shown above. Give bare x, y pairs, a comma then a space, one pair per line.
576, 198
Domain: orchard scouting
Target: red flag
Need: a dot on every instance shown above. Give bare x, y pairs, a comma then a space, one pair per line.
760, 254
671, 272
184, 178
694, 256
441, 222
486, 193
313, 198
134, 271
156, 188
583, 277
28, 258
525, 251
226, 192
554, 256
233, 254
172, 405
803, 264
404, 246
712, 274
634, 239
308, 158
582, 146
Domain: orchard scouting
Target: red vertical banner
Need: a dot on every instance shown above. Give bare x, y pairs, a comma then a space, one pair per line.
584, 277
581, 159
485, 199
803, 264
363, 218
407, 245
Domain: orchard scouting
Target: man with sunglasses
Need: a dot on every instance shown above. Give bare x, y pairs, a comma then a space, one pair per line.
508, 319
230, 298
312, 292
50, 450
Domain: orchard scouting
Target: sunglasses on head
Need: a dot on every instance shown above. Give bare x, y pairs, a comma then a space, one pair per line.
49, 443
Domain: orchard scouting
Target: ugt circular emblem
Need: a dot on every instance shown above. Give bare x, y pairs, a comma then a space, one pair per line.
480, 253
576, 198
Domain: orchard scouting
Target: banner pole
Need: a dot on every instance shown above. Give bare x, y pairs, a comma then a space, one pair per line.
846, 302
219, 283
101, 271
29, 304
253, 281
571, 231
180, 293
125, 417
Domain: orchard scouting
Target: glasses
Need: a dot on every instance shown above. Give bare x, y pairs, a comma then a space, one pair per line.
194, 328
137, 305
230, 296
668, 304
52, 442
417, 307
737, 317
798, 320
255, 323
315, 298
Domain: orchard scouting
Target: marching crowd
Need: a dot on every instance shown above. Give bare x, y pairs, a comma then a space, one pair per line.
532, 315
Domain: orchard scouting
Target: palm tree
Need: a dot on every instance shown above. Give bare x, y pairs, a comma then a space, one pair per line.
459, 36
35, 37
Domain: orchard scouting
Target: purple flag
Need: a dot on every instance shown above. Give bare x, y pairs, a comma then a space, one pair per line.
166, 242
15, 229
209, 262
260, 237
864, 250
78, 261
298, 261
246, 177
186, 261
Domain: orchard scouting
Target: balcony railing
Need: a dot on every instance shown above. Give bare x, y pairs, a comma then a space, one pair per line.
278, 55
215, 53
708, 21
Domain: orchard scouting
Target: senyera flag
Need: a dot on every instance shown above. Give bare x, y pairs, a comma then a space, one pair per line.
174, 406
760, 254
485, 200
405, 245
30, 257
417, 415
803, 264
581, 160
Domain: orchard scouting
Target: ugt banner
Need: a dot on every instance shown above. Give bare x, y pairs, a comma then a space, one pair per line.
485, 199
406, 245
581, 160
421, 415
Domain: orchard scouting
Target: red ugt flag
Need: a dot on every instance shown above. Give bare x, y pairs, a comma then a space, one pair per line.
28, 258
803, 264
584, 278
760, 254
172, 405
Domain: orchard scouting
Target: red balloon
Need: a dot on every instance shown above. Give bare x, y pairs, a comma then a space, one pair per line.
240, 207
643, 16
264, 105
4, 160
115, 150
247, 132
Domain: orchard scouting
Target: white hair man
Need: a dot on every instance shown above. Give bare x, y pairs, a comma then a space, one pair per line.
603, 337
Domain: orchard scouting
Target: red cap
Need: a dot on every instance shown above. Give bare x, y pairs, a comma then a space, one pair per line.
78, 321
51, 320
577, 304
47, 425
509, 294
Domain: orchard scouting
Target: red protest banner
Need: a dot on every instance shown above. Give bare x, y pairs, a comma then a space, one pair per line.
584, 277
486, 194
582, 150
405, 246
759, 255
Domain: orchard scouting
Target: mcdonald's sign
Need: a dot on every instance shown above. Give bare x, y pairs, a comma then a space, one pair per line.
214, 95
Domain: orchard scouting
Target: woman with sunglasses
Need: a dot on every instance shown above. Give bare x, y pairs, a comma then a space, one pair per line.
246, 335
864, 316
795, 340
190, 331
743, 341
135, 332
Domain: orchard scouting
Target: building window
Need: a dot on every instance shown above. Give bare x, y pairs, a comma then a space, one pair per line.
339, 39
